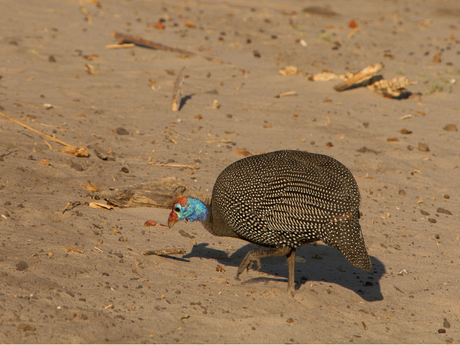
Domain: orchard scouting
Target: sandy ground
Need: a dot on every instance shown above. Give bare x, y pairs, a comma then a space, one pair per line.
80, 276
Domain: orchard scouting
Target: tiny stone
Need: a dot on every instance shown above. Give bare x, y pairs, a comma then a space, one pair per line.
446, 196
401, 192
450, 127
446, 323
75, 166
122, 131
423, 147
441, 330
125, 170
431, 220
21, 266
51, 58
425, 213
442, 210
257, 54
410, 147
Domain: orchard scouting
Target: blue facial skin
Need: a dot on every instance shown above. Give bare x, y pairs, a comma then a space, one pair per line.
194, 209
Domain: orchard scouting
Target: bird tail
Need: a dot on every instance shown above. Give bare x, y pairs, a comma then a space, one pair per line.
346, 236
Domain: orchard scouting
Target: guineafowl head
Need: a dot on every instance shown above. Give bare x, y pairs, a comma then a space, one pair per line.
188, 209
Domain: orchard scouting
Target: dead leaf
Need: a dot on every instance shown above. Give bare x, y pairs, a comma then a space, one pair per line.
45, 162
326, 76
288, 70
75, 151
243, 153
90, 69
73, 250
189, 24
215, 104
91, 57
405, 131
436, 58
392, 140
90, 187
98, 205
450, 127
26, 328
71, 205
150, 223
220, 269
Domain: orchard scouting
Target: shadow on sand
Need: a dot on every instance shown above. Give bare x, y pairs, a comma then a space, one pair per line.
322, 263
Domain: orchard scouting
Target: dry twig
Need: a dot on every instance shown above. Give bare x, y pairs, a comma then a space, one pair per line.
289, 93
70, 149
122, 38
86, 13
164, 252
177, 90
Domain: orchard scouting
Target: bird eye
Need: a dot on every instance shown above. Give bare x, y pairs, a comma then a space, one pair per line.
177, 209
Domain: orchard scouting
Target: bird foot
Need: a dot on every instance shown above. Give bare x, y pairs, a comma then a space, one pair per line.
247, 263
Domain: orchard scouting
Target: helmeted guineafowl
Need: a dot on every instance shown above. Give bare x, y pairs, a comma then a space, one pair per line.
283, 199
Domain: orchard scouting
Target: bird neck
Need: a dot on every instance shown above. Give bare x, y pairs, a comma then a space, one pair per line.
200, 210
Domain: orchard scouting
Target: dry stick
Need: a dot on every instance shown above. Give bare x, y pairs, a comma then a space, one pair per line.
86, 13
118, 46
177, 90
33, 130
163, 252
173, 165
289, 93
122, 38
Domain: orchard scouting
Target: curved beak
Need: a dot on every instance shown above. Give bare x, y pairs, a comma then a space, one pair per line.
172, 219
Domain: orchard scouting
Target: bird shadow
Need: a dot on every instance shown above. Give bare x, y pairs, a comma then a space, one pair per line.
314, 263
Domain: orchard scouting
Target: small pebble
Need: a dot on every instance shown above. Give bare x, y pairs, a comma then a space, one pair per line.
450, 127
401, 192
443, 210
76, 166
425, 213
125, 170
441, 330
150, 223
446, 323
256, 54
21, 266
423, 147
122, 131
431, 220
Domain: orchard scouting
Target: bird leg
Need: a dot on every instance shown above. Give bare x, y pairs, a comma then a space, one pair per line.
291, 265
256, 255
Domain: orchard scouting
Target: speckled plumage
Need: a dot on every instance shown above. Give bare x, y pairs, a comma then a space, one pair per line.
286, 199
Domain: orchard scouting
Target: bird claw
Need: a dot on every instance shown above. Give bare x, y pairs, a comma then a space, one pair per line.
246, 264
